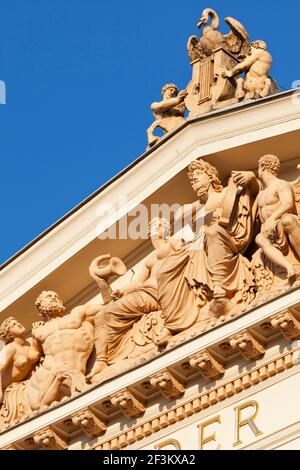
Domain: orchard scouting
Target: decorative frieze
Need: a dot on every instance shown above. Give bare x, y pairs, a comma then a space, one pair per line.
200, 403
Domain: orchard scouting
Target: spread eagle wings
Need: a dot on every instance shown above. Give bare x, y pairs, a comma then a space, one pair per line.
296, 188
237, 40
194, 48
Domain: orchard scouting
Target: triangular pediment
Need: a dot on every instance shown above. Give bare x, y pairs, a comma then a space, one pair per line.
122, 329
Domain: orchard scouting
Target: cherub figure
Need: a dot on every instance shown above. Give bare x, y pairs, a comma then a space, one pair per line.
257, 83
168, 113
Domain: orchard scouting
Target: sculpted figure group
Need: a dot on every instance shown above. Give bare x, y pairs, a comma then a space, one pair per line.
180, 286
226, 69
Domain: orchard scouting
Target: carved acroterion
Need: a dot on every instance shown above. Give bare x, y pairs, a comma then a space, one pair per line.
218, 60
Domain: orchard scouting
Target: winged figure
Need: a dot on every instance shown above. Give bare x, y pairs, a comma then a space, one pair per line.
236, 41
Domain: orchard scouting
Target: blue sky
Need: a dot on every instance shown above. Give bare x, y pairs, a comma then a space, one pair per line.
80, 77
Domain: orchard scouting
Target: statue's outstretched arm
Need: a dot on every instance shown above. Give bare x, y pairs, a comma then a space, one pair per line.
164, 106
244, 66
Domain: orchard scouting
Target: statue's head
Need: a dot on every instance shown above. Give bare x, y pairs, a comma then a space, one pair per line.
203, 176
49, 304
159, 228
259, 44
11, 329
169, 91
270, 164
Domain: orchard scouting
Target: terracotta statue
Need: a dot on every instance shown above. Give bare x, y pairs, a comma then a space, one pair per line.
168, 113
279, 238
66, 342
257, 83
18, 357
236, 42
217, 272
140, 297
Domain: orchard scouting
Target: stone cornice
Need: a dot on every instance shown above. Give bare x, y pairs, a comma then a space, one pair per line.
203, 401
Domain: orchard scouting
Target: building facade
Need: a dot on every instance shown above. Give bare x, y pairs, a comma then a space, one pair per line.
192, 341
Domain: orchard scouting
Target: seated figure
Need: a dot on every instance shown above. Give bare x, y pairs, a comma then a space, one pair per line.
257, 83
279, 238
114, 323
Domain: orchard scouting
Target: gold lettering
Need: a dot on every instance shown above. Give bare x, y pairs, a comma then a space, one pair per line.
170, 442
212, 438
246, 422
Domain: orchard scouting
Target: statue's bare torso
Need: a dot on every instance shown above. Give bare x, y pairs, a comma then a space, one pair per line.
67, 340
269, 201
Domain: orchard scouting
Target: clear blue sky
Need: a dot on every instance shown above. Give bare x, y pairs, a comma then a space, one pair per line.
81, 75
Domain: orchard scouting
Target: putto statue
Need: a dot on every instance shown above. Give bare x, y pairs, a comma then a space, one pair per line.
168, 113
257, 83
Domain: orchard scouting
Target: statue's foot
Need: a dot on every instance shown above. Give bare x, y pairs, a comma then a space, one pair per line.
263, 94
220, 307
97, 369
152, 142
250, 96
291, 273
163, 339
240, 95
